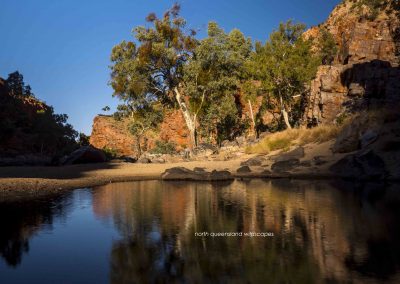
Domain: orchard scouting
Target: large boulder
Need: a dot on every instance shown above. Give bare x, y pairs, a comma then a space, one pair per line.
297, 153
85, 155
366, 165
181, 173
348, 139
243, 170
256, 161
284, 166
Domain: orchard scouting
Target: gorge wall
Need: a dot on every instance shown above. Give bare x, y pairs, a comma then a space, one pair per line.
366, 69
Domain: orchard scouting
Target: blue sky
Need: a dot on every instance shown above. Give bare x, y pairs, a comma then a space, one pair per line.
63, 47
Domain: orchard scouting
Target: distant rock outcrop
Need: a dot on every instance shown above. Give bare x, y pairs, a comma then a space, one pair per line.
110, 133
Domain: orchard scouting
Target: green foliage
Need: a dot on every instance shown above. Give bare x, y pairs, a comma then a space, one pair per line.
375, 7
16, 85
148, 71
327, 47
285, 65
212, 80
32, 123
110, 153
83, 139
142, 120
145, 119
164, 147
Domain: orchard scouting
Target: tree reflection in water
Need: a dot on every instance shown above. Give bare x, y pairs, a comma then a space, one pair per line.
20, 221
321, 232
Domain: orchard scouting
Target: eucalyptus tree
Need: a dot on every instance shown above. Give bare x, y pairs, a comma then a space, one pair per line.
212, 80
150, 69
285, 65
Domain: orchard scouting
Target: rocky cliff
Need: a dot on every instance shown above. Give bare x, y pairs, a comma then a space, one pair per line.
110, 133
29, 127
366, 68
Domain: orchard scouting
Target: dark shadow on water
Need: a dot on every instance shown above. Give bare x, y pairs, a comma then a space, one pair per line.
61, 172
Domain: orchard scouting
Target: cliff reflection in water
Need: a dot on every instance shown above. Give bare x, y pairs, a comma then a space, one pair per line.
321, 232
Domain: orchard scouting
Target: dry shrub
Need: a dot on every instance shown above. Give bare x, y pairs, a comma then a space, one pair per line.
294, 137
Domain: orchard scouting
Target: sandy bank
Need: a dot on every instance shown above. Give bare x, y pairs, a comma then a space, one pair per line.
78, 176
37, 180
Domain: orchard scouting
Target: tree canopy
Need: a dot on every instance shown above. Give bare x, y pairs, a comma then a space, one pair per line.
212, 80
284, 65
33, 124
166, 66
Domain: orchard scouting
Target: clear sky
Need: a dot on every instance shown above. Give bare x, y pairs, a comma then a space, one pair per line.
62, 47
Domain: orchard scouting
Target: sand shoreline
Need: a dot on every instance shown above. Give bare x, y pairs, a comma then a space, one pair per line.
77, 176
37, 180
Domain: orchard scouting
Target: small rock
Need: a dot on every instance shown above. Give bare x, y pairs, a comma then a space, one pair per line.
144, 160
244, 169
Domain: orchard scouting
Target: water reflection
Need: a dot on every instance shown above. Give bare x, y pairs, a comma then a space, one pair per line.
20, 221
322, 232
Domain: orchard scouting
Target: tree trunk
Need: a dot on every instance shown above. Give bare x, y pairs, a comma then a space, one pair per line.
252, 117
190, 123
138, 147
285, 114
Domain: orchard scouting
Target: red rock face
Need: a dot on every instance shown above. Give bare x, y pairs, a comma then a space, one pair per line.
112, 134
173, 129
366, 66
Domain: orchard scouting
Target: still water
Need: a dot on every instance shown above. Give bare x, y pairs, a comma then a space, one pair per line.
145, 232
